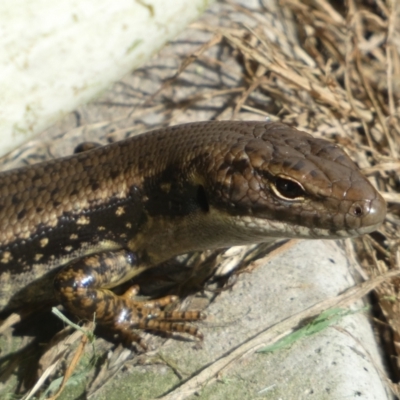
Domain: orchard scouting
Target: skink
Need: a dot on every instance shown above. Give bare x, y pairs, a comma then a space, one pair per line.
73, 228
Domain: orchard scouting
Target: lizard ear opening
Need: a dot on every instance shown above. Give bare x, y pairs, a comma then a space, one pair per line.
201, 197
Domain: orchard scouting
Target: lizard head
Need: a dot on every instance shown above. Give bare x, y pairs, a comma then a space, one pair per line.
282, 182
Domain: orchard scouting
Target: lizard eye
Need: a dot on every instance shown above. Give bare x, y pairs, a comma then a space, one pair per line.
288, 189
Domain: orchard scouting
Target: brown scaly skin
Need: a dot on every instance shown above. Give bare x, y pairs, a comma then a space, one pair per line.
75, 227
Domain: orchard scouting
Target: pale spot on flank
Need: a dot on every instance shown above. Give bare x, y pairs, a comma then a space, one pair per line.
128, 225
68, 248
120, 211
74, 236
101, 228
83, 220
38, 257
6, 258
43, 242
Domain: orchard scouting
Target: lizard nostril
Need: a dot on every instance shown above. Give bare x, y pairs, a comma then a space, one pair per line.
366, 215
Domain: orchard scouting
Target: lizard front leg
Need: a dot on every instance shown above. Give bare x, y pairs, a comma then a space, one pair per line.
82, 287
